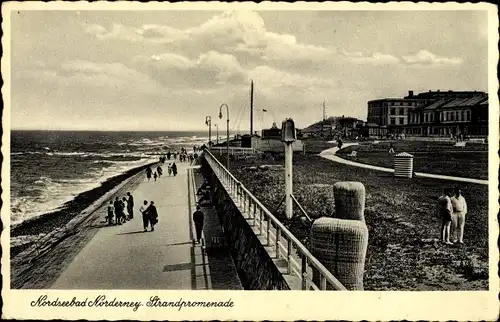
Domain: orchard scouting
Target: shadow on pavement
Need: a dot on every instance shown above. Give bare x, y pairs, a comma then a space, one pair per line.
133, 232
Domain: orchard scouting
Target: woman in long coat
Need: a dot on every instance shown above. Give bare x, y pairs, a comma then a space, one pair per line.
153, 215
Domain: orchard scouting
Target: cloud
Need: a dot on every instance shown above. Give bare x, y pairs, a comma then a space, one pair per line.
373, 59
208, 70
233, 32
424, 57
81, 73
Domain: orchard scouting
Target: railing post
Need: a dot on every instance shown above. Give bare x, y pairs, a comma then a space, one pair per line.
277, 242
289, 255
323, 282
260, 221
303, 272
268, 232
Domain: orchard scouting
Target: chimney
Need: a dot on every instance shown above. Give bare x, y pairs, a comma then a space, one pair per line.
410, 93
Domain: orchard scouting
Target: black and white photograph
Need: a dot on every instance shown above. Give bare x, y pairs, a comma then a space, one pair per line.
343, 153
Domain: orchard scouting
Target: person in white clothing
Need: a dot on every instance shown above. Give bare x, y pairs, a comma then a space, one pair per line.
125, 208
145, 217
445, 210
458, 219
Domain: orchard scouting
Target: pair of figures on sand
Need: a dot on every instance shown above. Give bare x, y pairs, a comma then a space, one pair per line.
149, 215
452, 208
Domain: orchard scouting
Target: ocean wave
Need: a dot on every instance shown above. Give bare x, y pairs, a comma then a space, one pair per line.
65, 172
53, 194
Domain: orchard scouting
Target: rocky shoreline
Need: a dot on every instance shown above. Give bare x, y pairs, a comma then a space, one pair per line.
48, 222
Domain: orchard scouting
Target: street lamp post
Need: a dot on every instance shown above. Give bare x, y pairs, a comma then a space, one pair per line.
208, 121
227, 130
217, 129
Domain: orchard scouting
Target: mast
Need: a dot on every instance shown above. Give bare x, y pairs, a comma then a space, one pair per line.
324, 120
251, 107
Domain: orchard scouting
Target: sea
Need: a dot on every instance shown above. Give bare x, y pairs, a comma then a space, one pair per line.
50, 168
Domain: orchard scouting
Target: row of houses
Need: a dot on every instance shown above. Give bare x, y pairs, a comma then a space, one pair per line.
433, 113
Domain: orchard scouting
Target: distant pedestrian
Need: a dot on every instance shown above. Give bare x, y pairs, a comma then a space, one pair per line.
159, 170
130, 205
458, 220
148, 173
198, 218
152, 215
145, 217
174, 169
445, 210
111, 209
155, 175
118, 211
169, 170
125, 208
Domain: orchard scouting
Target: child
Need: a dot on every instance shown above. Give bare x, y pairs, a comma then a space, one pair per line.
155, 175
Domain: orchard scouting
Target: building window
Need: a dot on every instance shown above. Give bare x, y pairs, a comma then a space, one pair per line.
441, 116
452, 116
463, 116
393, 121
393, 111
401, 111
401, 121
468, 116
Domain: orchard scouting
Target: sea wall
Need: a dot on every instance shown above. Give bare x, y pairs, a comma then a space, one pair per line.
255, 267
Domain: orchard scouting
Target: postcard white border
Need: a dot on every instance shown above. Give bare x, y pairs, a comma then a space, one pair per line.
259, 305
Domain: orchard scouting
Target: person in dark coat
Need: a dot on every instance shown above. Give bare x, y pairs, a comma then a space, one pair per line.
152, 215
198, 218
174, 169
130, 205
109, 217
149, 172
118, 211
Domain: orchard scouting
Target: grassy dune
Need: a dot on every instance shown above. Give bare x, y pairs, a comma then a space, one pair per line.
401, 218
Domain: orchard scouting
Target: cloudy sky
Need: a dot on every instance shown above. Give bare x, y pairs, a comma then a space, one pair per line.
167, 70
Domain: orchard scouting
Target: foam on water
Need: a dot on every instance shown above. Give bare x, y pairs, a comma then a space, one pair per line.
47, 193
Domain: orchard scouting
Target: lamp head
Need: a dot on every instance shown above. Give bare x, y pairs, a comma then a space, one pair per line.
220, 114
288, 133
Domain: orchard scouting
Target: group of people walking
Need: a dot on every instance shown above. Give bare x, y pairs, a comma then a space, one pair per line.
120, 210
452, 209
172, 169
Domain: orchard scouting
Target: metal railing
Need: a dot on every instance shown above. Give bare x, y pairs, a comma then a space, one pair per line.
233, 150
285, 245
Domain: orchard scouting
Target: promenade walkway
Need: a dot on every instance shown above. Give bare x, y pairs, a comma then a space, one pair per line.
330, 154
126, 257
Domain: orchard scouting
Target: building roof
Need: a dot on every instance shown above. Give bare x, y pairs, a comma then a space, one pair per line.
449, 93
436, 104
463, 102
485, 102
399, 99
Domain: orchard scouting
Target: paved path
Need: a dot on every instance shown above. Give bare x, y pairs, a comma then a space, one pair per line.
330, 154
126, 257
